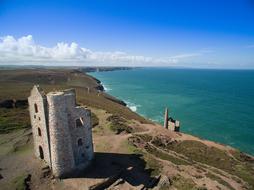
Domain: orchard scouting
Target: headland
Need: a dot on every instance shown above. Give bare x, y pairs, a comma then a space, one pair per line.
131, 152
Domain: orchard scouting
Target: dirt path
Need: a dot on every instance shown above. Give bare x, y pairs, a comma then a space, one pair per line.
113, 157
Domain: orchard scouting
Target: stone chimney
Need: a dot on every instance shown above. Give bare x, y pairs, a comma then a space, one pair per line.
166, 119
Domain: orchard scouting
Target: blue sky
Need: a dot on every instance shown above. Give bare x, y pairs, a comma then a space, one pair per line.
184, 33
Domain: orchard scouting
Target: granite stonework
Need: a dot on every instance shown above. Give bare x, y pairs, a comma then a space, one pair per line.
62, 131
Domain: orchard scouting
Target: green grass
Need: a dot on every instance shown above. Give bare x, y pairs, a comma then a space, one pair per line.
138, 142
119, 128
13, 119
159, 154
215, 157
118, 124
126, 145
23, 146
218, 172
245, 172
18, 183
153, 164
198, 151
219, 180
181, 183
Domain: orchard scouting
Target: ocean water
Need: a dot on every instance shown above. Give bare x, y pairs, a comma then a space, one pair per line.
212, 104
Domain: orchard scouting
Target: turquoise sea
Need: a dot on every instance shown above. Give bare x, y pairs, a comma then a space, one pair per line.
212, 104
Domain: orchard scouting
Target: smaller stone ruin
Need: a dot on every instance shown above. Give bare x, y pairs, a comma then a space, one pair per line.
170, 123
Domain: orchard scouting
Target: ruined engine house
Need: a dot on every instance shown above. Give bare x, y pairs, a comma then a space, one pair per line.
62, 131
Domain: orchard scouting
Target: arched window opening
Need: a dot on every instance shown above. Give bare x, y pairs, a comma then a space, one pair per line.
80, 143
35, 108
39, 131
41, 152
79, 122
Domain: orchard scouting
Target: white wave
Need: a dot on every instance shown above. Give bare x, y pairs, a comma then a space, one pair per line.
132, 106
106, 88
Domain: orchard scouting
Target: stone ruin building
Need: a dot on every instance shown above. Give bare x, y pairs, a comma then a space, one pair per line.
62, 131
170, 123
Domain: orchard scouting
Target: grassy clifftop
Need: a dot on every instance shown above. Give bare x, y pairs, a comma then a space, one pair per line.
131, 152
16, 84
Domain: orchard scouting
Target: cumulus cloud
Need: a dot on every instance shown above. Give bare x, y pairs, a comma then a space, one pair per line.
24, 50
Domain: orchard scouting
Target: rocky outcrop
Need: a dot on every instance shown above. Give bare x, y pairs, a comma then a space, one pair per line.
99, 87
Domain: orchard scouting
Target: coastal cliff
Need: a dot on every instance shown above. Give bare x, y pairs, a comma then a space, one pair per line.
131, 152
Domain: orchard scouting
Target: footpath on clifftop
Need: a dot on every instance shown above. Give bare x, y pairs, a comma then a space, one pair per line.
131, 152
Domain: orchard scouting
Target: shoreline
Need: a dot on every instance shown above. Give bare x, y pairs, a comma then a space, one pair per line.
134, 144
101, 87
127, 104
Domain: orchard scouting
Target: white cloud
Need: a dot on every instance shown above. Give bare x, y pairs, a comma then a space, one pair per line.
24, 50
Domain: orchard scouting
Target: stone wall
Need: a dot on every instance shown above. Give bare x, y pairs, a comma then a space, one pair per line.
82, 153
65, 135
38, 117
61, 150
67, 154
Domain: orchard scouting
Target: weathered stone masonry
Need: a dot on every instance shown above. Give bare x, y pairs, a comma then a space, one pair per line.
62, 131
170, 123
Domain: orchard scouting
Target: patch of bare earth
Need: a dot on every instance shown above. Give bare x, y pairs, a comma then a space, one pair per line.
128, 155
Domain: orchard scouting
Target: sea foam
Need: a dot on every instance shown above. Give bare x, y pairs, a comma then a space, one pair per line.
132, 106
106, 88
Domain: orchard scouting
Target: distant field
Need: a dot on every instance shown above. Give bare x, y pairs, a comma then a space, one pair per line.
16, 84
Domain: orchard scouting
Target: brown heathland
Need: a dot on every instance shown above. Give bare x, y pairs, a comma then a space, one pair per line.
130, 151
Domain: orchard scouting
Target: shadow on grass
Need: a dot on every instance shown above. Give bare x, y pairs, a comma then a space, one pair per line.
128, 167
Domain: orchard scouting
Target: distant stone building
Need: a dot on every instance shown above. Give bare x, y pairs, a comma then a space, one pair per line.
170, 123
62, 131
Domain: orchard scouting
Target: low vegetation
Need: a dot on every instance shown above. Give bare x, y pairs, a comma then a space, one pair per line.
153, 151
13, 119
219, 180
236, 163
182, 183
199, 152
118, 124
95, 120
16, 84
164, 156
21, 182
